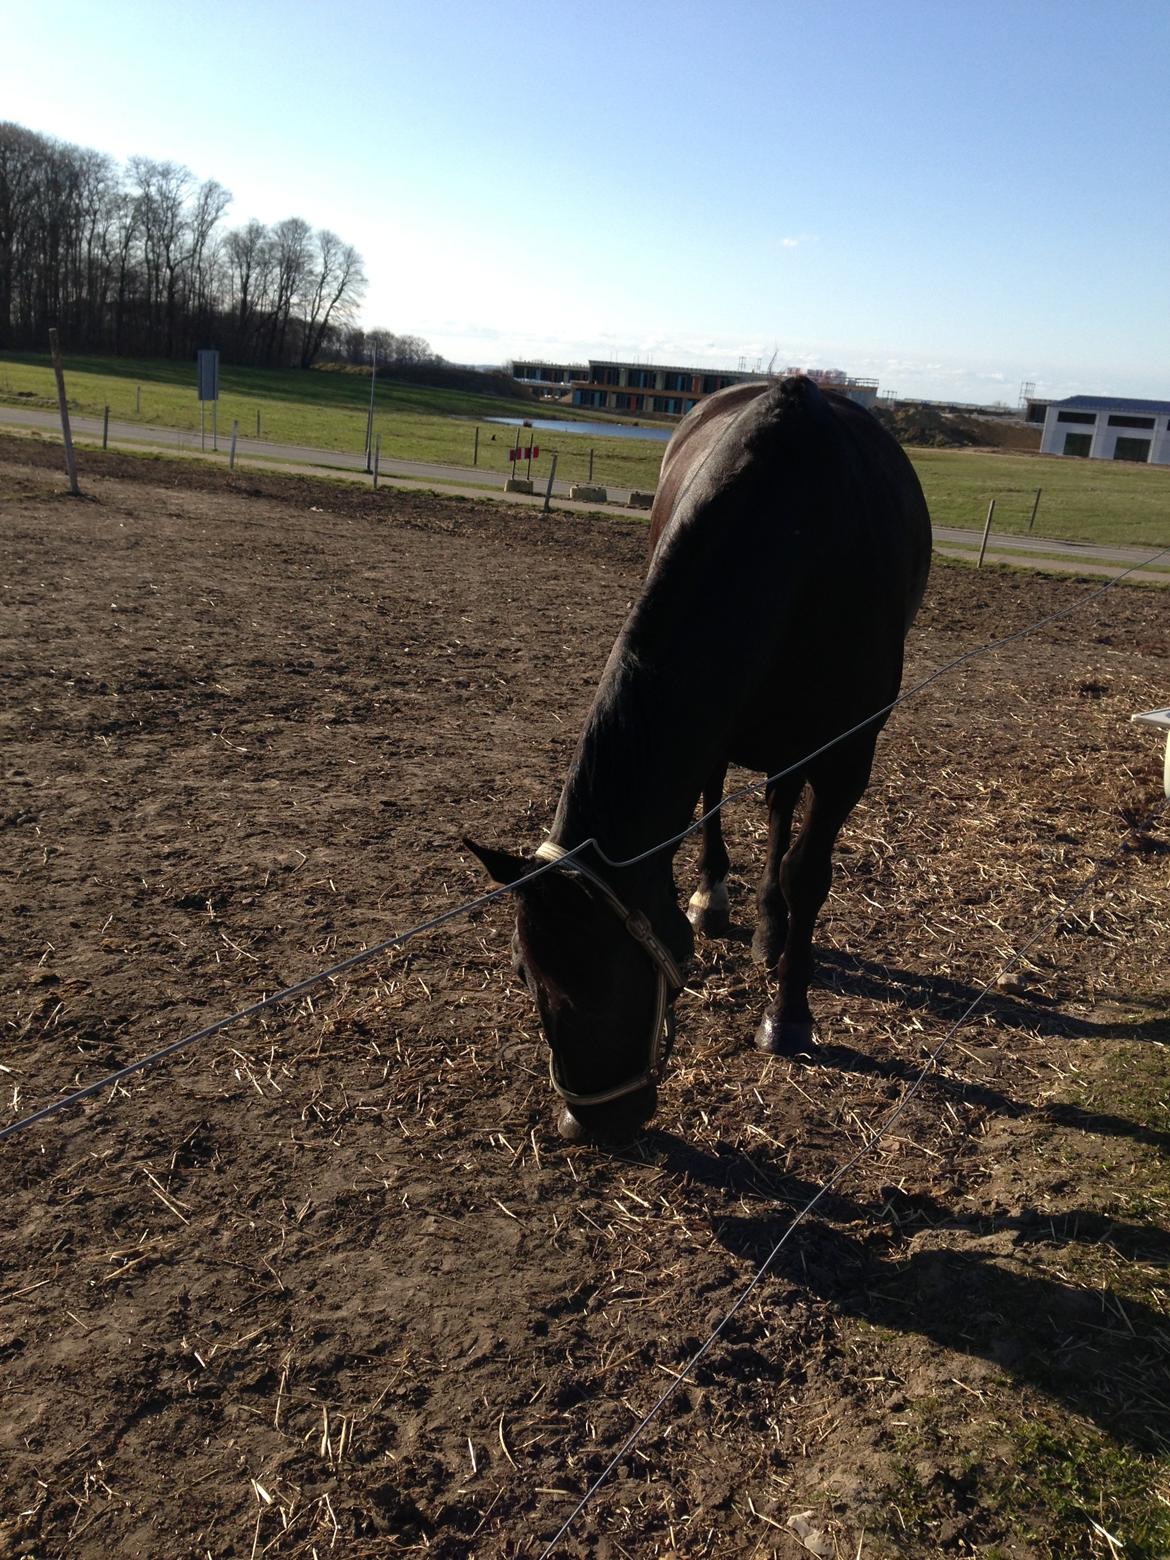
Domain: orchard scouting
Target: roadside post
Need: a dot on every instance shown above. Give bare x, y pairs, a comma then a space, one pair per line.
1035, 507
235, 434
475, 457
208, 372
377, 459
986, 533
548, 490
63, 407
105, 427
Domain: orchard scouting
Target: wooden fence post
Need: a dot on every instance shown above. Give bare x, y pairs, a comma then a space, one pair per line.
551, 475
986, 533
59, 371
1035, 507
377, 459
235, 431
105, 428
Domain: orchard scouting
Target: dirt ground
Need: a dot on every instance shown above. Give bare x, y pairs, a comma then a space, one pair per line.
328, 1283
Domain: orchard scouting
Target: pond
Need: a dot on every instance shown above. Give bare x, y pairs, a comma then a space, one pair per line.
591, 430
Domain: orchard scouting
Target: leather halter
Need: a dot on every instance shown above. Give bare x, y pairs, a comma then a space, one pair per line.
669, 982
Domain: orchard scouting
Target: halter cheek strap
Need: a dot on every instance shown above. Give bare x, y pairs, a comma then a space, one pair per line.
669, 980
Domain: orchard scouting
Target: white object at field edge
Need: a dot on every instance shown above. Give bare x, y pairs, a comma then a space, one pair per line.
1158, 718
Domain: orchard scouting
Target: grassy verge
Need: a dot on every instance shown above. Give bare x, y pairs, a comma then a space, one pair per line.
1080, 501
1091, 501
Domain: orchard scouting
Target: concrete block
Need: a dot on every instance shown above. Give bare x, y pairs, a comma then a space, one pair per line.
641, 500
518, 485
588, 494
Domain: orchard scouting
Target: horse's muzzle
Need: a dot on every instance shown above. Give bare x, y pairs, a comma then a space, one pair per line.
616, 1122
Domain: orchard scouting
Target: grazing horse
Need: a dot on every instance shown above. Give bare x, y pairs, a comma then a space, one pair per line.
790, 545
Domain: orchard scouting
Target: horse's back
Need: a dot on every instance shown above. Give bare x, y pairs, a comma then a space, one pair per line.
800, 523
804, 471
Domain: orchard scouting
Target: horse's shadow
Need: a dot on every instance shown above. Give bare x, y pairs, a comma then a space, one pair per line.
1104, 1356
947, 998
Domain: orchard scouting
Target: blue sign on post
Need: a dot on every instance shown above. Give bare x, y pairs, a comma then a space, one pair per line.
209, 375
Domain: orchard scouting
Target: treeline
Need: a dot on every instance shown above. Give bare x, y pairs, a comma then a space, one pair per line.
137, 261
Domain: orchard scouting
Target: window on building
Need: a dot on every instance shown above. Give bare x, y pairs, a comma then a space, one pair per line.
1078, 443
1132, 449
1131, 422
1076, 417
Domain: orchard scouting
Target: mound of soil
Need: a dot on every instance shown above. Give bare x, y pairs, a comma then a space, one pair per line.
938, 428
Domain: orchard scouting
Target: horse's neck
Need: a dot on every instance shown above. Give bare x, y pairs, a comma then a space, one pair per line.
641, 760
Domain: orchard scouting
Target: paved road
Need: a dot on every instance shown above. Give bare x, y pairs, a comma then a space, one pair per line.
1040, 552
182, 441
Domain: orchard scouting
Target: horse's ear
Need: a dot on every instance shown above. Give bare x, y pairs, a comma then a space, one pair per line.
501, 865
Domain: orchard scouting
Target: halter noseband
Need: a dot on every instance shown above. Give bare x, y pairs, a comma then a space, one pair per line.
669, 981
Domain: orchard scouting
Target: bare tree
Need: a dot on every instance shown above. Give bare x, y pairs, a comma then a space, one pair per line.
335, 287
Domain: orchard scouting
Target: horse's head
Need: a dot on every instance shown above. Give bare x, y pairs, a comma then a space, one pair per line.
604, 983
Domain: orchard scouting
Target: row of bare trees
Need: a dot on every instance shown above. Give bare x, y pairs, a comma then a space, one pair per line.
136, 260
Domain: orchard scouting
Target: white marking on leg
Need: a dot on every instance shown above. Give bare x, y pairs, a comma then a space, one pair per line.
714, 899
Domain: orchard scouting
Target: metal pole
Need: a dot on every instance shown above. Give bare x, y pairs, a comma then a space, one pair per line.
257, 422
63, 407
986, 533
214, 426
370, 414
377, 459
138, 400
235, 432
105, 428
202, 425
591, 465
551, 475
1035, 507
475, 457
528, 473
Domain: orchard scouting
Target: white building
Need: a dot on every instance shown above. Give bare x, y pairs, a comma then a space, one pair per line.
1103, 427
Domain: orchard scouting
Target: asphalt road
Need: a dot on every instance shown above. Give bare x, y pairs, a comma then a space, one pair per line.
1040, 552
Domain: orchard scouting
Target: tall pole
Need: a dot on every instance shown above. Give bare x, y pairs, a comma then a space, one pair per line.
370, 414
551, 475
63, 406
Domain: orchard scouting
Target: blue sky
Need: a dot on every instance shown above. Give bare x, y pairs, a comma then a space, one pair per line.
950, 197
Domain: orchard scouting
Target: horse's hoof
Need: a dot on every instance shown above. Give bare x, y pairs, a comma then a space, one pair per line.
709, 911
788, 1038
766, 948
569, 1127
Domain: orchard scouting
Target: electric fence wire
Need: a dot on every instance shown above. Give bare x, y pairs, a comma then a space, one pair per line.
289, 993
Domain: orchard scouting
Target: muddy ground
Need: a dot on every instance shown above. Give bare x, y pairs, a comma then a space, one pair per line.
329, 1283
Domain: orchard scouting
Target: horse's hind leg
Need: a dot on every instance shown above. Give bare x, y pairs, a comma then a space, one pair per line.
771, 906
709, 909
805, 875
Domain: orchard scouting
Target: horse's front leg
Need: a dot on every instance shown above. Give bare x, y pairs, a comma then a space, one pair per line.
709, 909
805, 876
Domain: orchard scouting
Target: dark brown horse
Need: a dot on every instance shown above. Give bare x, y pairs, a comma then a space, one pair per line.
790, 546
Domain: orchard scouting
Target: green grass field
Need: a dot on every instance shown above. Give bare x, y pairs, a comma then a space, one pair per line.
328, 410
1089, 501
